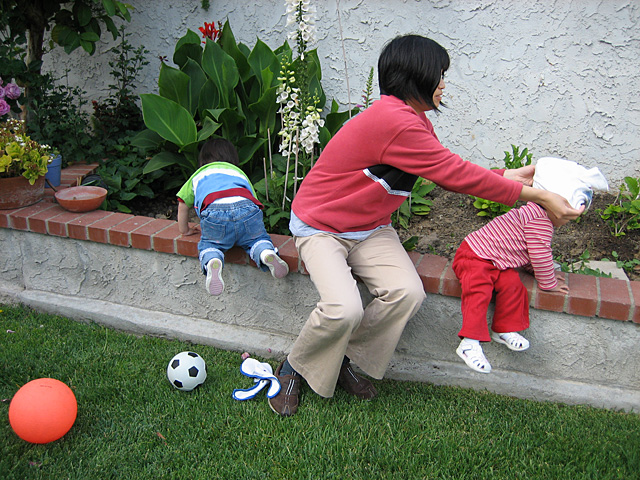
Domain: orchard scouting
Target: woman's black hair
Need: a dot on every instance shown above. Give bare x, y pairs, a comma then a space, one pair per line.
410, 67
218, 150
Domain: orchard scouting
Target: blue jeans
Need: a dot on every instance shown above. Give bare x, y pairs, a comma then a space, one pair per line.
224, 225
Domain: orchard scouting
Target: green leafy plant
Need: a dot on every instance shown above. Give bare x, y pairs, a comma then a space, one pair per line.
581, 266
513, 159
223, 88
227, 89
628, 266
73, 24
411, 243
367, 93
122, 174
117, 119
624, 213
272, 193
19, 154
416, 204
59, 119
118, 115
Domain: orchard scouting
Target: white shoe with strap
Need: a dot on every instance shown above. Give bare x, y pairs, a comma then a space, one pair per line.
471, 352
513, 340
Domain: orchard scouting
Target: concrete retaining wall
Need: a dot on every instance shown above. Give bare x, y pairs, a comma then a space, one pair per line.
573, 359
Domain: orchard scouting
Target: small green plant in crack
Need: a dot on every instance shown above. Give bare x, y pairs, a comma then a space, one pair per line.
628, 266
581, 266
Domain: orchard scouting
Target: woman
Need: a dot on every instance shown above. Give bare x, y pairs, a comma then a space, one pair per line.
341, 221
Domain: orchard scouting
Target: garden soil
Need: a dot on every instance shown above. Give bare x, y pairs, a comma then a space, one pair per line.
453, 216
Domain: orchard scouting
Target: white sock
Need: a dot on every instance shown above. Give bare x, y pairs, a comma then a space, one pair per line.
471, 341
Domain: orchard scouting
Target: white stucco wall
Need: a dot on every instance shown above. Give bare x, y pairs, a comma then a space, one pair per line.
561, 78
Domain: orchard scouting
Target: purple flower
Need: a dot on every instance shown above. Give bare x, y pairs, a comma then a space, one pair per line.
12, 91
4, 107
1, 92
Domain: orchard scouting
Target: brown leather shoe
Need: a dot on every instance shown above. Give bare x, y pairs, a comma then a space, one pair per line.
286, 402
354, 384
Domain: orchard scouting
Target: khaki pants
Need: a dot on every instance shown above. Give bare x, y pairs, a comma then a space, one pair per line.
339, 325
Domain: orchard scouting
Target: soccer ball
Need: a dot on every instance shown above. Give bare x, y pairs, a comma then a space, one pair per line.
186, 371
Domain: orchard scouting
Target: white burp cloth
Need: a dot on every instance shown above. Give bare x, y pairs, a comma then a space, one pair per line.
262, 373
569, 179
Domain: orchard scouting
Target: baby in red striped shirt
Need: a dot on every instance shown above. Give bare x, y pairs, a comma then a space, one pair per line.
487, 260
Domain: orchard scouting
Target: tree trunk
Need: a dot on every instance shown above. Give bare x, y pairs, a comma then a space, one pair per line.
35, 14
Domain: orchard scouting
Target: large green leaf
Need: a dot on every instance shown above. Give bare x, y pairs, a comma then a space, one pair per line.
165, 159
111, 27
146, 140
284, 51
188, 46
214, 113
336, 119
311, 58
197, 81
262, 58
222, 69
209, 127
228, 43
110, 7
170, 120
174, 85
209, 97
230, 119
82, 12
266, 109
248, 146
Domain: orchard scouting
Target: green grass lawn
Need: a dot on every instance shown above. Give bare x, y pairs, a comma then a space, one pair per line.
132, 424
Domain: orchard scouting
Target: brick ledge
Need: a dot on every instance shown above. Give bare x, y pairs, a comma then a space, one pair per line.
589, 296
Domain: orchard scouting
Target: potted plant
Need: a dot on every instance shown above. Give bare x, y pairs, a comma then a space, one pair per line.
23, 165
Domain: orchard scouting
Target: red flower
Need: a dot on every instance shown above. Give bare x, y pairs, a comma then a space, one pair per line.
210, 31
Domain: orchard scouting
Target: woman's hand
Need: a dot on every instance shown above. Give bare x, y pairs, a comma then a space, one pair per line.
551, 202
524, 175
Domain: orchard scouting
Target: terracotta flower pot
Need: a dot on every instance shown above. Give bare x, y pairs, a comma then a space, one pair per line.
81, 199
16, 192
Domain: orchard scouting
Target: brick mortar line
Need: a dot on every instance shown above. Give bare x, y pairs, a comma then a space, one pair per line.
632, 306
598, 298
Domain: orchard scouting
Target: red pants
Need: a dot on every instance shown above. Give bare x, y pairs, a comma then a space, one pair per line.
479, 278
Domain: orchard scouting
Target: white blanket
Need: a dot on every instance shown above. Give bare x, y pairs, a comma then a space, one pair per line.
569, 179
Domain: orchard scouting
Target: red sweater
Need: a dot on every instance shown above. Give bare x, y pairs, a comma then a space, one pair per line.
369, 167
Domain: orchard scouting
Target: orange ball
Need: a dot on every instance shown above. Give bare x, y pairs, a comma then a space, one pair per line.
43, 410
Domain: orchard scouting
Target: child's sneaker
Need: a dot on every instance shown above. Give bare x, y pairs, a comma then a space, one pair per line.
214, 284
277, 266
471, 352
